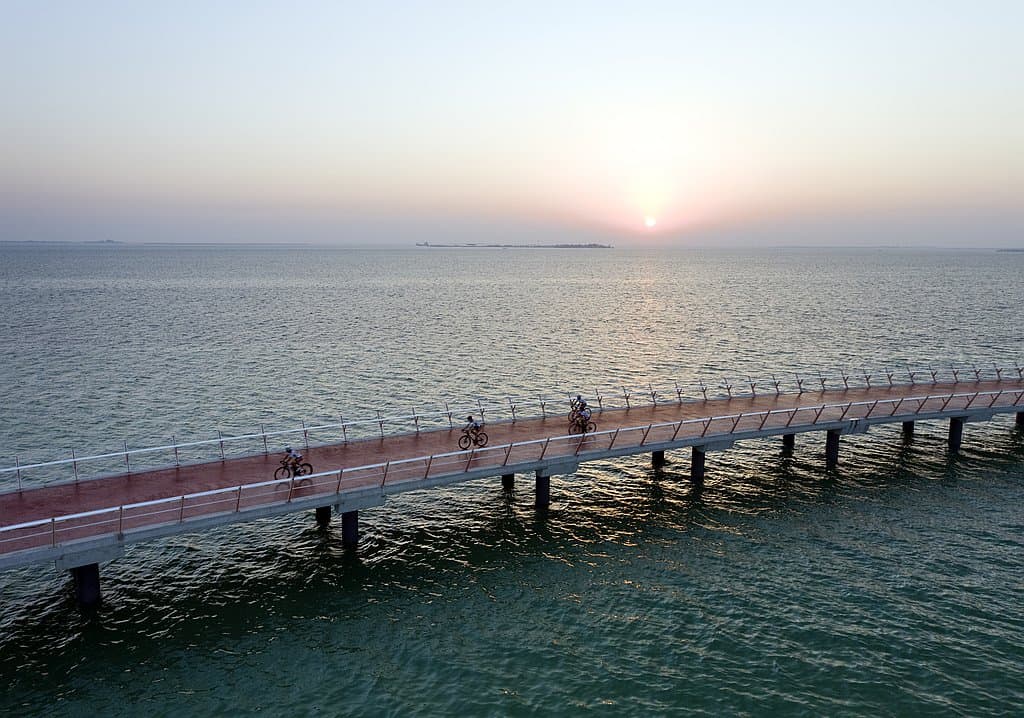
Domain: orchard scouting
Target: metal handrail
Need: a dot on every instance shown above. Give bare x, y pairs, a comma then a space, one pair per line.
513, 403
458, 457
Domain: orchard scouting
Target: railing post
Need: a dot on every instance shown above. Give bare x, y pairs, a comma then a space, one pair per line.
426, 474
545, 449
238, 502
612, 442
791, 417
871, 409
654, 395
799, 384
220, 438
387, 465
380, 422
971, 400
764, 420
846, 379
512, 406
679, 392
956, 374
263, 431
543, 408
74, 463
337, 489
728, 386
818, 414
625, 395
753, 386
600, 405
344, 429
416, 420
995, 399
946, 402
53, 532
867, 378
679, 426
470, 460
896, 407
888, 375
707, 425
305, 434
647, 431
736, 422
703, 389
822, 380
126, 462
448, 412
776, 383
17, 463
120, 521
508, 453
934, 374
174, 442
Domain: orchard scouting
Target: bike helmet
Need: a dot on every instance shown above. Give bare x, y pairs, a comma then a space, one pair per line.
287, 449
469, 418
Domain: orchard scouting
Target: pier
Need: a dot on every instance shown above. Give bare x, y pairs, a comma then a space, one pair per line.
78, 523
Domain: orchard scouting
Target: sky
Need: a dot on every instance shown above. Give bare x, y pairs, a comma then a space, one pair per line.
660, 123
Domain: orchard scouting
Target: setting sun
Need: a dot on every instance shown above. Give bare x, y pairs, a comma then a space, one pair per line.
649, 222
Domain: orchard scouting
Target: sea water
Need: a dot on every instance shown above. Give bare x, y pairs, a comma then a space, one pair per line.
890, 586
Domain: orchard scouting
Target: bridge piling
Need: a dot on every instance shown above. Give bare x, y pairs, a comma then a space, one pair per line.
657, 459
508, 482
350, 528
323, 515
908, 430
831, 449
697, 460
87, 585
788, 442
956, 434
1020, 418
543, 489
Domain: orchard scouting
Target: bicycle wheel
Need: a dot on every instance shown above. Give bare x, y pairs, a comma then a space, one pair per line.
465, 441
304, 469
481, 439
591, 427
575, 428
282, 473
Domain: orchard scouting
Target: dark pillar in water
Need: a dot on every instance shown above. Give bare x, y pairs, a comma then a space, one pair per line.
508, 481
87, 584
831, 449
788, 442
543, 490
657, 459
697, 465
956, 434
323, 515
350, 528
1020, 418
908, 430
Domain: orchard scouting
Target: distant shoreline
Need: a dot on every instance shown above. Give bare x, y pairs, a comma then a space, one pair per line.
475, 245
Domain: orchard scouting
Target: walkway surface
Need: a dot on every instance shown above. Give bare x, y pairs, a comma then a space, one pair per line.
112, 491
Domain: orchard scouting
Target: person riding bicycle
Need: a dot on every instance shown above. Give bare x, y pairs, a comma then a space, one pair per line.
474, 425
292, 457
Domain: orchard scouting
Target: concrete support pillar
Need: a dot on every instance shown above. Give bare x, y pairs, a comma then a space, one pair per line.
508, 481
831, 449
788, 442
543, 490
908, 430
350, 528
1020, 418
87, 584
956, 434
657, 459
697, 465
323, 515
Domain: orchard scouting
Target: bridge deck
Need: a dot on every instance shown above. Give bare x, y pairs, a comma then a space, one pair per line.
112, 491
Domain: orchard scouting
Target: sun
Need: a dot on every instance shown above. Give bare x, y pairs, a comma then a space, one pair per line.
649, 222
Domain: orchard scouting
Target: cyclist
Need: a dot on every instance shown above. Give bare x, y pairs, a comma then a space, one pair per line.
292, 457
474, 425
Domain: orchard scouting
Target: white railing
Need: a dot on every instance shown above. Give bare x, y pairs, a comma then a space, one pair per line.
53, 531
509, 409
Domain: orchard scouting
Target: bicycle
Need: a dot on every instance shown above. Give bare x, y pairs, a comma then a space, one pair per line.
288, 470
582, 426
471, 438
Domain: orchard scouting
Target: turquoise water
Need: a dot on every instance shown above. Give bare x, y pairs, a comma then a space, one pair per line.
888, 587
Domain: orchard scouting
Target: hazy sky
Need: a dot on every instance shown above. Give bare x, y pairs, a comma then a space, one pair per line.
724, 122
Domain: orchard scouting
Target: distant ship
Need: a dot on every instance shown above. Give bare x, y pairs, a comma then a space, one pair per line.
591, 245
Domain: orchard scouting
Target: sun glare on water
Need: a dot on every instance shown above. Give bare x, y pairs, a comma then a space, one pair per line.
649, 222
